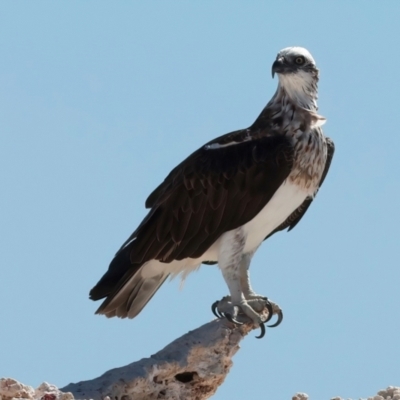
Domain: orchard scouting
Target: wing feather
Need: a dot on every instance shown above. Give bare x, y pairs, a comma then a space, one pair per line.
216, 189
237, 181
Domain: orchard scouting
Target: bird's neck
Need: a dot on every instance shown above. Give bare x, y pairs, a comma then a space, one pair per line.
300, 89
291, 106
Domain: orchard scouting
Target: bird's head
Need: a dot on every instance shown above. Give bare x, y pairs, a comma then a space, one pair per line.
298, 75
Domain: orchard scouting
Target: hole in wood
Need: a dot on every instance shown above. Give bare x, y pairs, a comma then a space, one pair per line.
186, 377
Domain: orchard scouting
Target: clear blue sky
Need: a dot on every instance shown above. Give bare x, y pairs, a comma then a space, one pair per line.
100, 100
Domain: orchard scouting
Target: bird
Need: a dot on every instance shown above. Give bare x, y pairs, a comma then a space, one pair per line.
220, 203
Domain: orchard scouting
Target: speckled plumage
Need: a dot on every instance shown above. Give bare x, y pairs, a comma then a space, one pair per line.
292, 112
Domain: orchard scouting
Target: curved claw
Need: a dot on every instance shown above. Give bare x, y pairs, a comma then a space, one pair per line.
280, 318
261, 335
231, 319
214, 309
270, 310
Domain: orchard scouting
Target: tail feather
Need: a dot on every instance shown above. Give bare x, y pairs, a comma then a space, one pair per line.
126, 288
139, 298
118, 272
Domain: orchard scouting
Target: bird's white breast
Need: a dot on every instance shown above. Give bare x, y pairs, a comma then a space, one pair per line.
285, 200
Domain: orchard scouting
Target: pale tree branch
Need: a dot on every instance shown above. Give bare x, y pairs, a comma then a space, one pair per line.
192, 367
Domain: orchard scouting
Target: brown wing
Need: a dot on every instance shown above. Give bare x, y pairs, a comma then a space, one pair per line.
213, 191
218, 188
298, 214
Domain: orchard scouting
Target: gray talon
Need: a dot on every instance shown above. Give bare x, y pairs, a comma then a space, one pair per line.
214, 309
270, 310
231, 319
261, 335
280, 318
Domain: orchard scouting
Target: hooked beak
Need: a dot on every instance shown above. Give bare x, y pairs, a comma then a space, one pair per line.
278, 66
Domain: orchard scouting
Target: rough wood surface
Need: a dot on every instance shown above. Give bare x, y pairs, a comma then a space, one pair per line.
191, 367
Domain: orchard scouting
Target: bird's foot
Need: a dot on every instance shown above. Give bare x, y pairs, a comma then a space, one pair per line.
258, 303
254, 308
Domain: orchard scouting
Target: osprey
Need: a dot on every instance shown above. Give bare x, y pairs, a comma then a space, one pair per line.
219, 204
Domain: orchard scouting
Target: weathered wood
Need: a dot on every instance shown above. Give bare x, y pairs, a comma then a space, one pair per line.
190, 368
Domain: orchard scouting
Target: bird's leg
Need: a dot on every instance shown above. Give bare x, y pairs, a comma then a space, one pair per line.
230, 261
257, 302
245, 276
235, 269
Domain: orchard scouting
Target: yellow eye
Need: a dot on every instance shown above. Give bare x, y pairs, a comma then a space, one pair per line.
299, 60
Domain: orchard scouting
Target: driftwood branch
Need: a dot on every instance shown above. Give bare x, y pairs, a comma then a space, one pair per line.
191, 367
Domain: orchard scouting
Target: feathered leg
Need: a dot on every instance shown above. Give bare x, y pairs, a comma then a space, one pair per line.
257, 302
235, 270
